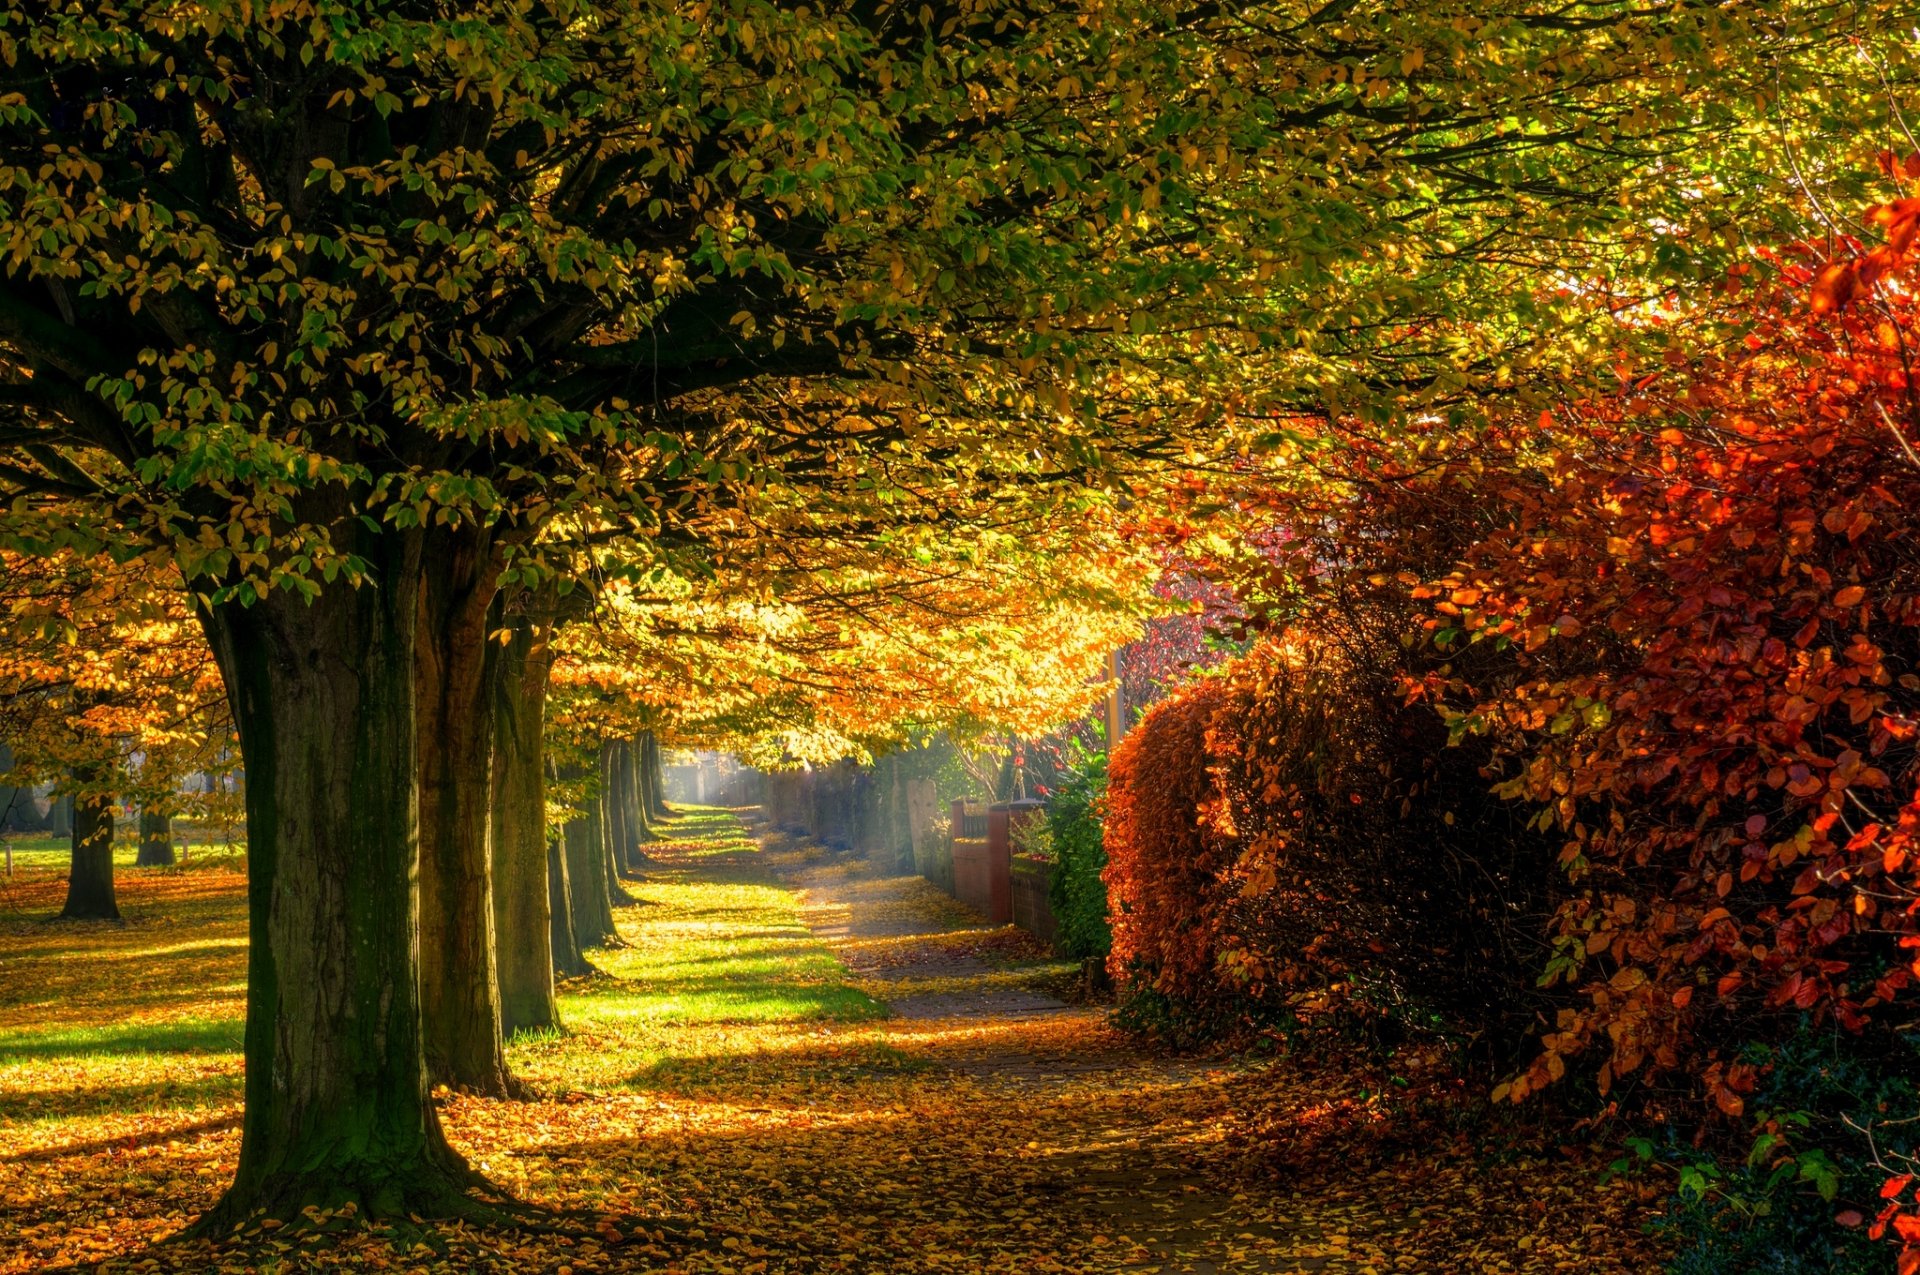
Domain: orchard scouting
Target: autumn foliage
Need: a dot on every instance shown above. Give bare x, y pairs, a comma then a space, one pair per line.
1662, 667
1163, 862
1291, 844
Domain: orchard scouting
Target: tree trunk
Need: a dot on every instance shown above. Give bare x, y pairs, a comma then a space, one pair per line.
59, 815
591, 890
615, 815
656, 773
90, 881
453, 680
633, 799
568, 958
337, 1105
522, 916
156, 840
18, 810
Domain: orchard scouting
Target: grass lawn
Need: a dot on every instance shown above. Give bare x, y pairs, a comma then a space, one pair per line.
41, 853
714, 944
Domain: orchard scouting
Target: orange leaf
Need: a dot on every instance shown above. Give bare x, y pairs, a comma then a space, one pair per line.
1834, 286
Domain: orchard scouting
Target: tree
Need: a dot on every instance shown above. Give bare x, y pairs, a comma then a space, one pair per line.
531, 887
90, 881
156, 838
107, 690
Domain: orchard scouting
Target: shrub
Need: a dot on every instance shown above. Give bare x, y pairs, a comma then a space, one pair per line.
1078, 895
1828, 1120
1163, 861
1715, 614
1376, 885
1292, 843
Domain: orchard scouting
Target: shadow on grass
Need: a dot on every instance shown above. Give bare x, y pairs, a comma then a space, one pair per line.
181, 1036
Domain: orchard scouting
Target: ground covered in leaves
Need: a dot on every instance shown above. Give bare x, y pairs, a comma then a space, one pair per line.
795, 1065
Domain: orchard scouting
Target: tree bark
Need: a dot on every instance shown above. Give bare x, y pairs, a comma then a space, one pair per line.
568, 958
59, 815
453, 675
590, 888
615, 814
156, 840
18, 810
90, 880
522, 902
656, 778
633, 799
337, 1105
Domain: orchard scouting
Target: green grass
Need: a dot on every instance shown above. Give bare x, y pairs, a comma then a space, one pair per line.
56, 852
714, 943
175, 1036
713, 952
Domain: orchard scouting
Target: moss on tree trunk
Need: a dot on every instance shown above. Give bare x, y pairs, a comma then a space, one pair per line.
337, 1105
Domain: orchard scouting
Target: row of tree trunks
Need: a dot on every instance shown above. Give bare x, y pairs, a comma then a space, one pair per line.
653, 778
860, 809
641, 816
569, 958
591, 889
616, 814
408, 906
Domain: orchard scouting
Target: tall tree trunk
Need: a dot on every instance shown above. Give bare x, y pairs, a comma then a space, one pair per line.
90, 880
18, 810
656, 772
156, 839
564, 941
615, 815
522, 916
337, 1105
59, 815
633, 799
591, 889
453, 680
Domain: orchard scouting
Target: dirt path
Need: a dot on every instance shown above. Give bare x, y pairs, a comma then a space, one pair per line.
1070, 1148
1126, 1180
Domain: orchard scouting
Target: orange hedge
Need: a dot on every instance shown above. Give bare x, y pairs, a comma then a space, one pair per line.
1163, 861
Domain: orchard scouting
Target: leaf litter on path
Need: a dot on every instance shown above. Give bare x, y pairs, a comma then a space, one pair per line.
744, 1069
